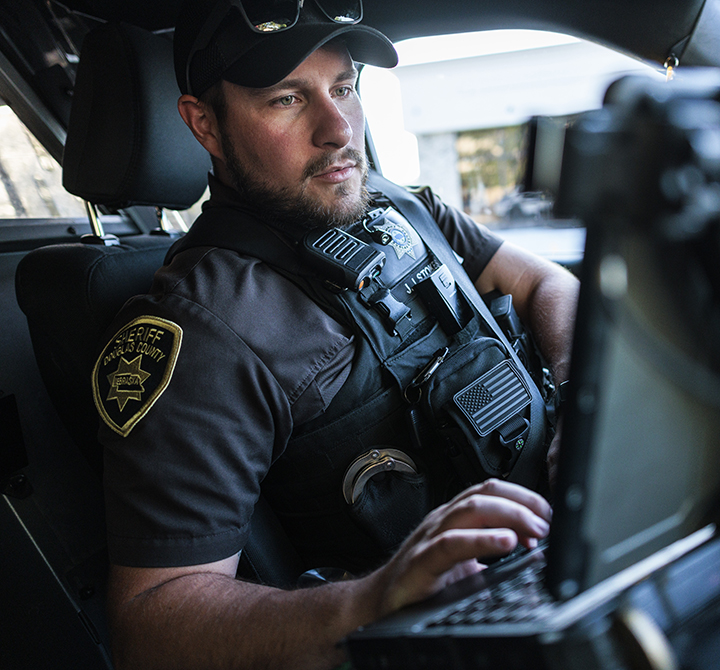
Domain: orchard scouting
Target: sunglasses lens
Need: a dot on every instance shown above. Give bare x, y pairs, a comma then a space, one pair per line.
342, 11
267, 16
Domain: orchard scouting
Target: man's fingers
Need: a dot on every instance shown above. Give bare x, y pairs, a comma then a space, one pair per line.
435, 562
442, 552
496, 487
440, 560
484, 521
485, 512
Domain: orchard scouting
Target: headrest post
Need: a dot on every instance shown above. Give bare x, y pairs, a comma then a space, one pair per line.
95, 224
162, 221
97, 236
179, 221
174, 227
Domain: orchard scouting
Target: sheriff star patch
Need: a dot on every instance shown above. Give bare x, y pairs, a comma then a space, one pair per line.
403, 237
134, 369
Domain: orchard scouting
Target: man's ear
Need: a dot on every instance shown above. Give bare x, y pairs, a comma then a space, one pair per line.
203, 124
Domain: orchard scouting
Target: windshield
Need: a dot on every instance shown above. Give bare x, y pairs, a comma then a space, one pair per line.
464, 113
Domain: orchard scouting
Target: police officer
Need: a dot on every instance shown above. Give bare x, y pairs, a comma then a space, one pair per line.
254, 362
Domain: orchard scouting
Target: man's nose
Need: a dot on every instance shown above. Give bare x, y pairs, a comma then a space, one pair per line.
332, 126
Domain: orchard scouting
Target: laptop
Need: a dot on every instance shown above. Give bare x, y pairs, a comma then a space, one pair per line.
638, 480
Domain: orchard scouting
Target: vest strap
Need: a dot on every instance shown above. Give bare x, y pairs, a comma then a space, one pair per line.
431, 234
525, 469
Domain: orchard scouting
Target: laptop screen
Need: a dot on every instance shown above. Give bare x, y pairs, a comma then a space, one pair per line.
640, 458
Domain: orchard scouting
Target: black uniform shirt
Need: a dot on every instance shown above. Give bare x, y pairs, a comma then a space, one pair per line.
200, 385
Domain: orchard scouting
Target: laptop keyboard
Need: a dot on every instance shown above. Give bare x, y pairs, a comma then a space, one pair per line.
521, 597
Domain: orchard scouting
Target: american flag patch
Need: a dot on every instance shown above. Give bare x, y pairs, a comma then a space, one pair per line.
494, 398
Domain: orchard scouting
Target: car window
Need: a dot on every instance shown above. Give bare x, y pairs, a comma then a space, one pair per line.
30, 179
31, 189
461, 112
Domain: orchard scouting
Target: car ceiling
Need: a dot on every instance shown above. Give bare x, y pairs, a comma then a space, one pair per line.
646, 28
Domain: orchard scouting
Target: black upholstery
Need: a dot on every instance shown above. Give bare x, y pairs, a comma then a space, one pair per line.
126, 145
69, 294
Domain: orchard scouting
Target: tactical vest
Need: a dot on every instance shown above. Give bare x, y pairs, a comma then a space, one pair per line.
436, 398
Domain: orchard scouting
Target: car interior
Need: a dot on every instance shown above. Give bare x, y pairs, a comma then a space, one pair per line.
93, 82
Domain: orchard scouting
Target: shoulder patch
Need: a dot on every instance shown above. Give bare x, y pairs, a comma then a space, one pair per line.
134, 369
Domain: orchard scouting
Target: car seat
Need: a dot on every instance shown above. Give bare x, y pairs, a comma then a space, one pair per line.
126, 145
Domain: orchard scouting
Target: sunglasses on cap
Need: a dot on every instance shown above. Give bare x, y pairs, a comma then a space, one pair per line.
271, 16
278, 15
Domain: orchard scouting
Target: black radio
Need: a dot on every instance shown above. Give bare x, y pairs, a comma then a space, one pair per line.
342, 259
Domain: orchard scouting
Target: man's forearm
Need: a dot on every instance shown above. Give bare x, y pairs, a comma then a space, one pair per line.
545, 297
550, 313
551, 318
214, 621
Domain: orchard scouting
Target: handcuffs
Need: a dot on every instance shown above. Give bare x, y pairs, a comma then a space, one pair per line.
371, 463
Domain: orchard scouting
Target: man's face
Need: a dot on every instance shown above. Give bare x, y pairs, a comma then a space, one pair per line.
295, 151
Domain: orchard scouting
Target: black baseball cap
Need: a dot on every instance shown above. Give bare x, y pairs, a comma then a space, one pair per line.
241, 55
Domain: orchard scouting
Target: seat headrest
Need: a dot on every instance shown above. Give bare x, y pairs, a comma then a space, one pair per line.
126, 143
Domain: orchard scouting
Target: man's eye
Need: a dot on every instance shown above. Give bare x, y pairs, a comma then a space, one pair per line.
287, 100
344, 91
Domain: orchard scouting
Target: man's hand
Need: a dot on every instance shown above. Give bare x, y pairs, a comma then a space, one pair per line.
200, 617
486, 520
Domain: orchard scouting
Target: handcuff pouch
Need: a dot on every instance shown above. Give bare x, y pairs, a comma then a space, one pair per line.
391, 505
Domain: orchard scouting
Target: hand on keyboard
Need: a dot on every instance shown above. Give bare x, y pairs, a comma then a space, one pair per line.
485, 521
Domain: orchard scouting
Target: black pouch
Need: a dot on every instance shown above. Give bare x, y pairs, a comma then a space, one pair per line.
479, 404
391, 506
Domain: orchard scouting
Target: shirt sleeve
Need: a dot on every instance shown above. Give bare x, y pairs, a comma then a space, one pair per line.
182, 484
475, 243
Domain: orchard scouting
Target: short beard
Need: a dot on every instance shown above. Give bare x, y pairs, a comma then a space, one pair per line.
295, 211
